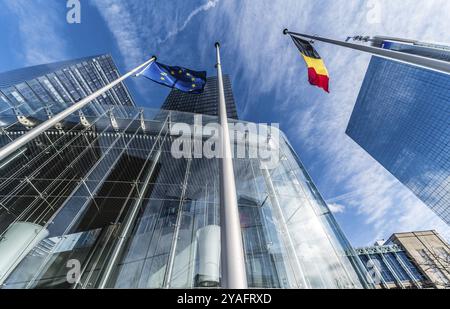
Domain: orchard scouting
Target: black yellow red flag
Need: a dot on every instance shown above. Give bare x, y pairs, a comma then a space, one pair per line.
317, 72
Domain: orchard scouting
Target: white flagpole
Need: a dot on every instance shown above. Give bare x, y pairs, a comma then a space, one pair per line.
232, 250
419, 61
23, 140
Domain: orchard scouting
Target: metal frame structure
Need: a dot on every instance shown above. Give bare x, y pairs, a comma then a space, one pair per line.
381, 251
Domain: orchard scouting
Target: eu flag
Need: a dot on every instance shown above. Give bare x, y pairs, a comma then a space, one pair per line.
176, 77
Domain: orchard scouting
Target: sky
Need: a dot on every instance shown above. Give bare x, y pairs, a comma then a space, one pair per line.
268, 76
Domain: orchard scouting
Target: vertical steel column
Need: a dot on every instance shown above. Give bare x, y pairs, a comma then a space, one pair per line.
408, 271
128, 224
134, 212
176, 233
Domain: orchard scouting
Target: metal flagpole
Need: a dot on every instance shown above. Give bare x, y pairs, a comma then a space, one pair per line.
232, 250
420, 61
23, 140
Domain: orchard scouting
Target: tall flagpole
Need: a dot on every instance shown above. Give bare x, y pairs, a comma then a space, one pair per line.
232, 250
416, 60
24, 139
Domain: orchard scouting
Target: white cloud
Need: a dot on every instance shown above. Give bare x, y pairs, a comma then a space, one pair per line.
336, 208
128, 34
134, 24
137, 27
203, 8
38, 30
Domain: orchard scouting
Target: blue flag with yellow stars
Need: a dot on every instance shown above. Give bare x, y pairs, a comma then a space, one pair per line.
175, 77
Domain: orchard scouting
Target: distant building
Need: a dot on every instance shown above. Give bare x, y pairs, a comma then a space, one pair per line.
401, 118
205, 103
429, 252
416, 260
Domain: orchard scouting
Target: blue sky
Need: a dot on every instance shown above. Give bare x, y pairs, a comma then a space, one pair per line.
269, 78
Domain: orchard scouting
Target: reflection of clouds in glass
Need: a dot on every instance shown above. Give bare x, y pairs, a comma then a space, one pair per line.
312, 243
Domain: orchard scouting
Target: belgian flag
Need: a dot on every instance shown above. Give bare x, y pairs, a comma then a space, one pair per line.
317, 72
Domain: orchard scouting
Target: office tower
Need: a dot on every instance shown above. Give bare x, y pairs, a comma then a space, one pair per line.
58, 85
431, 50
417, 260
205, 103
401, 120
107, 203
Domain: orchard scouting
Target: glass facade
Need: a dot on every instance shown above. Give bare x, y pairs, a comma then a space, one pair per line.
436, 51
390, 267
58, 85
104, 203
401, 119
205, 103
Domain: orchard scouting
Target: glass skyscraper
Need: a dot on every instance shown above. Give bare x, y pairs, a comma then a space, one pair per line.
102, 202
431, 50
60, 84
401, 118
205, 103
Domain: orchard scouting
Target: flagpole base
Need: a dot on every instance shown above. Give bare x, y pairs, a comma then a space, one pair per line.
285, 31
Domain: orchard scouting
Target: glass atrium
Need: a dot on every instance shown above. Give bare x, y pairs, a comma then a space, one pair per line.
100, 202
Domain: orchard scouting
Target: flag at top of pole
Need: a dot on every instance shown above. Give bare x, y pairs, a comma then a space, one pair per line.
428, 63
183, 79
317, 72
